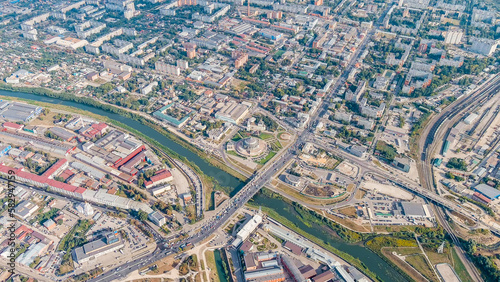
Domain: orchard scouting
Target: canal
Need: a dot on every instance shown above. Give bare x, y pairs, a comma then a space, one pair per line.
365, 255
220, 266
370, 259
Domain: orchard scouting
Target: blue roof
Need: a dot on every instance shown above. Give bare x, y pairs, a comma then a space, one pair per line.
487, 191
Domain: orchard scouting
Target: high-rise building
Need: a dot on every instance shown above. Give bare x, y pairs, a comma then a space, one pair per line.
484, 46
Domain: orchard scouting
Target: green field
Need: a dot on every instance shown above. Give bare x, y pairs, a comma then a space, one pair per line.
267, 158
265, 136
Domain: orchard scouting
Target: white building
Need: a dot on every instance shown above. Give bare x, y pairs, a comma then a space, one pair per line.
85, 209
157, 218
484, 46
247, 229
453, 36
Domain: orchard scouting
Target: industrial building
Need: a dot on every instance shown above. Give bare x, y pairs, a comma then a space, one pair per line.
416, 210
15, 111
25, 209
110, 243
486, 194
160, 177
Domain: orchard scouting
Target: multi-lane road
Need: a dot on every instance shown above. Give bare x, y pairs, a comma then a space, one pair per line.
256, 182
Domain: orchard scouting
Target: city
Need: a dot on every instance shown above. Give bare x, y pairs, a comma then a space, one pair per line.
257, 140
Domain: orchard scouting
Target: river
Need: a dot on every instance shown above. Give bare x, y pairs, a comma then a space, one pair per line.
224, 178
365, 255
370, 259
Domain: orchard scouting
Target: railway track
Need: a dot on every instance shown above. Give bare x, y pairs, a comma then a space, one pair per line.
477, 98
489, 89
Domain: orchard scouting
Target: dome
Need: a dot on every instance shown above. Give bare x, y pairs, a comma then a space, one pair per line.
251, 143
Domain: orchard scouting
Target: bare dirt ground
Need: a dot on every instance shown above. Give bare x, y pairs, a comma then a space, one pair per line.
484, 239
318, 191
388, 190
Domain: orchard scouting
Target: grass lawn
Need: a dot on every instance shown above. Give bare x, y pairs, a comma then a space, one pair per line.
459, 268
277, 145
278, 54
267, 158
265, 136
421, 265
404, 251
209, 256
236, 137
233, 153
409, 270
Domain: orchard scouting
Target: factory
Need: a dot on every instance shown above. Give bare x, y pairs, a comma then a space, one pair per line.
15, 111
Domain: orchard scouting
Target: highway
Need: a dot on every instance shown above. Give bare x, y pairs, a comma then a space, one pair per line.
256, 182
261, 179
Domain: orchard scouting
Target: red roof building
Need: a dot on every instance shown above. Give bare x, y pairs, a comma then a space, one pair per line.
95, 129
12, 126
58, 166
159, 177
43, 181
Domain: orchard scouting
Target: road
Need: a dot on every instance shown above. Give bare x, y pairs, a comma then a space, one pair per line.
255, 183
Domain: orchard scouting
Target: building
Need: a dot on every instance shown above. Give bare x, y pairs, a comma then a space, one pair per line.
62, 133
110, 243
92, 76
247, 229
232, 112
358, 151
483, 46
25, 209
307, 271
240, 58
266, 274
157, 218
270, 34
157, 191
18, 111
486, 194
453, 36
49, 224
471, 118
416, 210
402, 164
292, 180
343, 116
246, 247
296, 250
160, 177
85, 209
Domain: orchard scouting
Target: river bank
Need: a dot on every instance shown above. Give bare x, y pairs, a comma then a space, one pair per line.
215, 174
344, 243
368, 261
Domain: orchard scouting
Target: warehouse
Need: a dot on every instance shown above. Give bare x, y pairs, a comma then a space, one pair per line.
486, 194
62, 134
18, 111
416, 210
